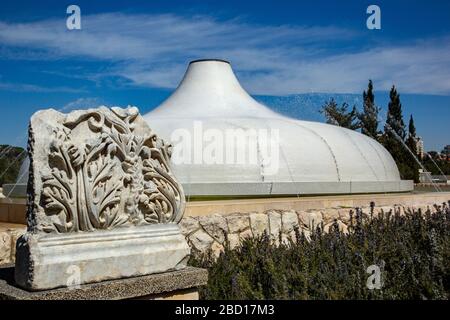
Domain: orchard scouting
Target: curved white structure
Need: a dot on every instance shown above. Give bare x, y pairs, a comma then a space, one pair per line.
276, 155
282, 155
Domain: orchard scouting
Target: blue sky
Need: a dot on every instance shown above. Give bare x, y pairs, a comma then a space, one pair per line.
135, 52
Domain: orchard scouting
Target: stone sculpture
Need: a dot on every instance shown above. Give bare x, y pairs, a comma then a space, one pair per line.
102, 201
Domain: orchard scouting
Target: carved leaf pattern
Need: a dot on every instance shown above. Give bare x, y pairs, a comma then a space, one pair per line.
117, 180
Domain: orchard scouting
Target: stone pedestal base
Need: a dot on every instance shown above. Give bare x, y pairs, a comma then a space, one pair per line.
175, 285
46, 262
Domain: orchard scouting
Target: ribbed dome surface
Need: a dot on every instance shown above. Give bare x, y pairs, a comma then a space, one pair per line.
312, 157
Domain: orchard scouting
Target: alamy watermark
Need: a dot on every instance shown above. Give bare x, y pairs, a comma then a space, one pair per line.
74, 277
73, 22
375, 279
373, 22
231, 146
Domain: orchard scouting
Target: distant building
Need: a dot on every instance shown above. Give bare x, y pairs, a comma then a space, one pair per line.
419, 147
425, 176
446, 152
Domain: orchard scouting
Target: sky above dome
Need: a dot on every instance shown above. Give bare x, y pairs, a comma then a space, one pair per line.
135, 52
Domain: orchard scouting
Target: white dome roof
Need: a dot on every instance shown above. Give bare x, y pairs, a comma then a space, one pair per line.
312, 157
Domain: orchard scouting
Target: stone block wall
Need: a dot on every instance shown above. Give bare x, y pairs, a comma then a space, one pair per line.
209, 232
9, 233
13, 211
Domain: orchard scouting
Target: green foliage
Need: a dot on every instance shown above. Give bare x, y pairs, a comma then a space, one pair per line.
394, 139
446, 152
369, 117
412, 250
443, 164
340, 115
394, 119
11, 159
411, 143
411, 127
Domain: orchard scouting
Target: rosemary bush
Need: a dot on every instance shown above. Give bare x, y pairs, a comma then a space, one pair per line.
412, 250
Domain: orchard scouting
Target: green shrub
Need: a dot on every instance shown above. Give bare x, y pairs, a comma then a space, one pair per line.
413, 251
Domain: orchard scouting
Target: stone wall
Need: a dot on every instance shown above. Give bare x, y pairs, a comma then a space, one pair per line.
9, 233
209, 232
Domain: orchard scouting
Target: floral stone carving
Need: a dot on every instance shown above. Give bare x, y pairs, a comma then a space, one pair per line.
99, 175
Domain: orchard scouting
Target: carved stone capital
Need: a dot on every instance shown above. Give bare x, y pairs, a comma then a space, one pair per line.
99, 169
94, 175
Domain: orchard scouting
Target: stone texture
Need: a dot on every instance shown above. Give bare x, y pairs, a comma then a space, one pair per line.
234, 240
285, 239
15, 233
259, 223
5, 247
217, 249
289, 220
216, 226
342, 227
274, 223
73, 259
238, 223
310, 220
286, 222
246, 234
9, 233
189, 225
344, 215
15, 236
329, 215
99, 169
145, 287
103, 200
343, 203
201, 241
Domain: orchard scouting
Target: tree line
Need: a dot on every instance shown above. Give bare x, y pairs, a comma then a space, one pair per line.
395, 136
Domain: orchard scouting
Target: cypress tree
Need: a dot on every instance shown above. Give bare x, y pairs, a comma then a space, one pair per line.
369, 117
412, 127
394, 119
412, 145
395, 137
340, 115
412, 138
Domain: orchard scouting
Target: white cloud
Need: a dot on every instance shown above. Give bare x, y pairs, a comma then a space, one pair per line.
81, 103
418, 68
153, 50
35, 88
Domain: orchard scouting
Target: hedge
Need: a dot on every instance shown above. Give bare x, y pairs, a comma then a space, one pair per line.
412, 252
